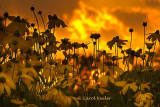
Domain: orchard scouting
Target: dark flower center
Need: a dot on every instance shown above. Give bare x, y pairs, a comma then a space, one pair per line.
98, 86
2, 80
14, 42
19, 73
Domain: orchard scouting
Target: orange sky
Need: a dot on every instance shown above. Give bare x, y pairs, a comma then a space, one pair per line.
83, 17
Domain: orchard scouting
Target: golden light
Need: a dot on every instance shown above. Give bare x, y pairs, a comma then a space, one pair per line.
98, 75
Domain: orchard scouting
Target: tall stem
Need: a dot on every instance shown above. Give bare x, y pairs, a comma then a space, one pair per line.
131, 40
103, 63
153, 51
144, 47
36, 21
117, 57
85, 52
96, 54
113, 67
43, 22
98, 46
144, 41
14, 64
116, 52
136, 62
73, 63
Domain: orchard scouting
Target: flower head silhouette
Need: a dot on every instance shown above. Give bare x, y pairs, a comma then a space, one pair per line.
54, 21
19, 24
119, 42
154, 36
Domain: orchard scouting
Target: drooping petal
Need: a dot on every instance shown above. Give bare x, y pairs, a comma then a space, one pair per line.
16, 101
75, 99
133, 86
125, 88
102, 90
111, 79
27, 77
120, 83
139, 104
1, 89
11, 84
7, 89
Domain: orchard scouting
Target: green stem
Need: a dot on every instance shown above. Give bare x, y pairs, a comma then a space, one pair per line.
14, 64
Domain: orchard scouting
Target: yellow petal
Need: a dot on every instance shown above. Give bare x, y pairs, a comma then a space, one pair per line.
149, 96
67, 101
16, 101
1, 89
148, 103
7, 89
31, 105
139, 104
136, 94
143, 97
134, 87
75, 99
111, 79
125, 88
120, 83
11, 84
27, 77
102, 90
103, 79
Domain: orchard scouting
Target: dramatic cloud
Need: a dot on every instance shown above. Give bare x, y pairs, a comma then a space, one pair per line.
83, 17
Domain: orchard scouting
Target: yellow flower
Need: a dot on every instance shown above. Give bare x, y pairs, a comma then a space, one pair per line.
65, 81
17, 101
105, 78
22, 103
143, 99
144, 104
30, 71
19, 24
17, 43
24, 76
29, 105
126, 85
145, 86
98, 86
141, 96
6, 83
59, 97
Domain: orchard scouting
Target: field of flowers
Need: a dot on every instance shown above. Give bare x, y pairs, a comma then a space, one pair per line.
31, 75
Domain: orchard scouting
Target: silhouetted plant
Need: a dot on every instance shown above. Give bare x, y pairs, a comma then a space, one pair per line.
5, 16
32, 9
131, 31
34, 76
40, 13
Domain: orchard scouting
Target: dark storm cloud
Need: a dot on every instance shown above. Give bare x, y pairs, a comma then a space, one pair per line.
22, 7
153, 3
131, 19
